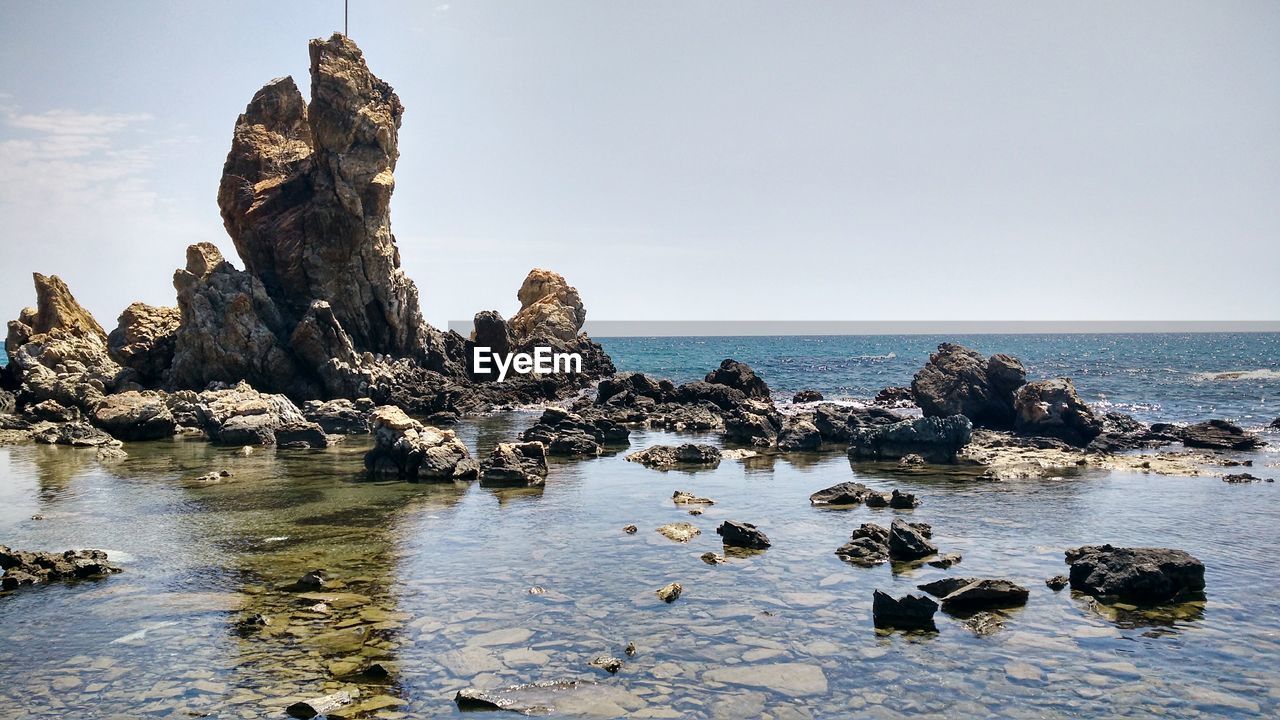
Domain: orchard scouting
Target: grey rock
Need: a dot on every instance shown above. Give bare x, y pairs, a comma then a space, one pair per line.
1140, 575
932, 438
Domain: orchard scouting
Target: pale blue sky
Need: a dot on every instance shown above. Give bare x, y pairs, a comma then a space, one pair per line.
692, 160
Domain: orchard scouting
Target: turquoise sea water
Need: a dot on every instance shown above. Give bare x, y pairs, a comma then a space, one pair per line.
1155, 377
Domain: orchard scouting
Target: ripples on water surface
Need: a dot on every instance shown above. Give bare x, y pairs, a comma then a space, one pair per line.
1155, 377
446, 572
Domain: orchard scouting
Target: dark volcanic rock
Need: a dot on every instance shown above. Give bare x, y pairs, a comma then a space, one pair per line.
23, 567
1141, 575
741, 377
664, 457
935, 439
515, 465
895, 397
910, 612
1051, 408
753, 424
807, 396
868, 545
1057, 582
985, 595
490, 331
946, 586
907, 542
846, 493
797, 434
1220, 435
743, 535
899, 500
960, 381
721, 396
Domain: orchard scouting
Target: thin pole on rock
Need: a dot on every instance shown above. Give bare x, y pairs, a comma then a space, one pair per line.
345, 15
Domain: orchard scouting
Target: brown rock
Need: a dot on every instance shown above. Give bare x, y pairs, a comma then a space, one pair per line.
549, 308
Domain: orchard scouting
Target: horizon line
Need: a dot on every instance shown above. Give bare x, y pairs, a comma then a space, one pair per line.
836, 328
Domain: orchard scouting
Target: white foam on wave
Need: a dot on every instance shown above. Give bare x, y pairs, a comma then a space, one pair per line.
1260, 374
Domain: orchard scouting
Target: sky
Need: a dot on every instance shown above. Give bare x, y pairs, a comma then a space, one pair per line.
696, 160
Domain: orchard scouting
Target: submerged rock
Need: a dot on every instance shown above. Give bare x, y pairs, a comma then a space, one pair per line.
607, 663
959, 381
934, 439
323, 705
681, 532
410, 450
1139, 575
743, 535
666, 457
910, 612
1051, 408
680, 497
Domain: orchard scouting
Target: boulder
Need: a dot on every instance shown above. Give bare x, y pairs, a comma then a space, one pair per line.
665, 457
959, 381
339, 417
240, 415
1137, 575
945, 586
549, 308
935, 439
868, 545
698, 391
739, 376
797, 434
846, 493
985, 595
1220, 435
134, 415
492, 332
515, 465
753, 424
743, 535
1051, 408
908, 542
624, 388
144, 340
409, 450
807, 396
898, 397
75, 434
568, 434
910, 612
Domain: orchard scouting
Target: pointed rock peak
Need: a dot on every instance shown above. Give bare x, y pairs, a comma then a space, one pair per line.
203, 258
350, 106
57, 309
549, 307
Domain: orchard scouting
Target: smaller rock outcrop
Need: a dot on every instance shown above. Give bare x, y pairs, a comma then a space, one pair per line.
339, 417
1051, 408
407, 449
549, 308
935, 439
1220, 435
985, 595
867, 546
741, 377
846, 493
742, 535
134, 415
240, 415
666, 457
798, 434
959, 381
807, 396
515, 465
24, 568
1138, 575
908, 541
910, 612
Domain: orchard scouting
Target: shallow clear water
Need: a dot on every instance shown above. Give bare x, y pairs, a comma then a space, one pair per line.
1155, 377
446, 572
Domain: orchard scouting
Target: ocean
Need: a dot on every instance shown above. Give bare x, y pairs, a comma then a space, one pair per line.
1154, 377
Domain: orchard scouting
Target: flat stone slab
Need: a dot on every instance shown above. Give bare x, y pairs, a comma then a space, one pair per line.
794, 679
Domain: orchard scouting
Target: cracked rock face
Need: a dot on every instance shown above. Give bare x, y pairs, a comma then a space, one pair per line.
144, 340
549, 308
305, 197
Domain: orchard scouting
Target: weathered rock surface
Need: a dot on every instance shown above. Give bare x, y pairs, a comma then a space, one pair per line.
134, 415
867, 546
1220, 435
985, 595
935, 439
910, 612
1141, 575
75, 434
753, 423
549, 308
144, 340
680, 532
515, 465
670, 592
945, 586
799, 433
959, 381
743, 535
56, 310
846, 493
739, 376
23, 567
1051, 408
409, 450
907, 541
240, 415
896, 397
341, 416
666, 457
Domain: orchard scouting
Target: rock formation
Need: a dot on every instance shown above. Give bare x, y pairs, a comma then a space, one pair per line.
960, 381
144, 340
1051, 408
935, 439
550, 308
1141, 575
